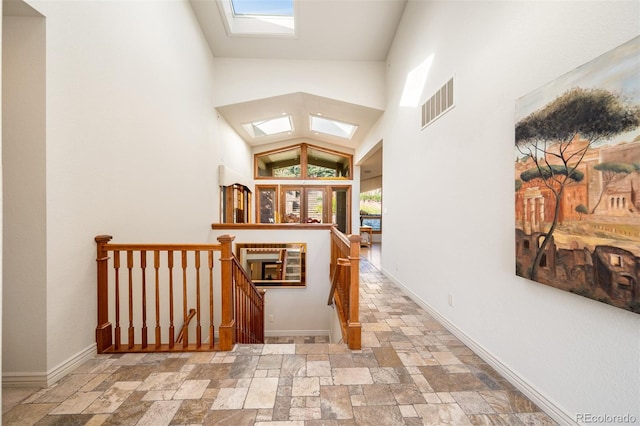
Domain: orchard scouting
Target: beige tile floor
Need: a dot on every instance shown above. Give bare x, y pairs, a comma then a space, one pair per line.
410, 371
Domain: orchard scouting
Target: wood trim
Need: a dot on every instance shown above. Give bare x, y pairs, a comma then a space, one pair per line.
303, 162
104, 329
163, 247
263, 226
227, 329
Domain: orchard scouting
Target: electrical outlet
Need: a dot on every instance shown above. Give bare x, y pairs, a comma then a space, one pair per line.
270, 318
451, 300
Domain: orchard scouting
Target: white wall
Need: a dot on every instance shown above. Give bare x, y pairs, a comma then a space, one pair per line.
455, 235
24, 201
235, 153
359, 83
371, 141
133, 146
287, 304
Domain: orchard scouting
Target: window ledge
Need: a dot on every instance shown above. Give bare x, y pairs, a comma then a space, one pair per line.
263, 226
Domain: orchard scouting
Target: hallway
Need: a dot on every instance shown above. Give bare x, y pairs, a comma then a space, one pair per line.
410, 371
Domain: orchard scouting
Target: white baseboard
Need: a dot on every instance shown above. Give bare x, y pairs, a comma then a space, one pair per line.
43, 380
532, 393
24, 380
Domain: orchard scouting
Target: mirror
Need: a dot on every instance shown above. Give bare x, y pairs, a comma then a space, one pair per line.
274, 264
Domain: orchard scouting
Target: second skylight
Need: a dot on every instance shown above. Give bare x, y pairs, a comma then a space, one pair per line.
332, 127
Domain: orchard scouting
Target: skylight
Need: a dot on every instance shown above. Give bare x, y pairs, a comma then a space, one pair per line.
262, 7
258, 17
270, 127
332, 127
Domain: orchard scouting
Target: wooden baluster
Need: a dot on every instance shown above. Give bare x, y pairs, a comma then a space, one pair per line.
156, 265
198, 307
185, 326
171, 326
228, 325
248, 310
130, 268
263, 293
344, 292
240, 316
244, 311
211, 327
254, 313
143, 266
116, 267
344, 286
253, 304
104, 330
241, 311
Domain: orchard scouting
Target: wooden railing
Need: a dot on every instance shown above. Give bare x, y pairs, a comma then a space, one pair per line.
249, 307
137, 282
345, 285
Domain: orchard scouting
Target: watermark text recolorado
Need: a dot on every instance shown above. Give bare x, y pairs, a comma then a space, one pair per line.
586, 418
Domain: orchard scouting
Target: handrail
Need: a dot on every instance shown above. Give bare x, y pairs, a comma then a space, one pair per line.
123, 272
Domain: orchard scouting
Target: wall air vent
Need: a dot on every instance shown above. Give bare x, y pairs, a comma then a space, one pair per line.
438, 104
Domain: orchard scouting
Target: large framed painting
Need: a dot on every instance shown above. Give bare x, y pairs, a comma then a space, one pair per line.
577, 180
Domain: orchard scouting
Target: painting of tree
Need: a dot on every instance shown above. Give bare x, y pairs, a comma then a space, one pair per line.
578, 180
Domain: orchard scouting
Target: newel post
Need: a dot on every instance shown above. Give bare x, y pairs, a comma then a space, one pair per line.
104, 329
354, 328
228, 325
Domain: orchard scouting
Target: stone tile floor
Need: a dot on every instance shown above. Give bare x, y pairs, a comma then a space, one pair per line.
410, 371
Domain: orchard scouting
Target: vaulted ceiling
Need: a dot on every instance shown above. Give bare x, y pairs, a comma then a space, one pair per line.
331, 30
349, 30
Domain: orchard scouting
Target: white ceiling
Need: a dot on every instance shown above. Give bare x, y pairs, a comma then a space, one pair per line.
332, 30
349, 30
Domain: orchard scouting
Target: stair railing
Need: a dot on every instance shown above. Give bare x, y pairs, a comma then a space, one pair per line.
249, 307
137, 281
345, 285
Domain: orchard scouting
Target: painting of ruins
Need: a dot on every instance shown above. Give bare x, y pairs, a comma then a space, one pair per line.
577, 180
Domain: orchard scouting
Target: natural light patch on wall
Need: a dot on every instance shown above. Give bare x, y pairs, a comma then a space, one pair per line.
414, 84
263, 18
